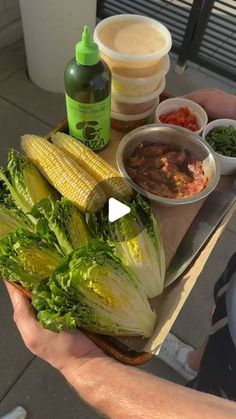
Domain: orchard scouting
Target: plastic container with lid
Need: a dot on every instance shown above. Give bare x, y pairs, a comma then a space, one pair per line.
136, 86
133, 105
125, 123
132, 45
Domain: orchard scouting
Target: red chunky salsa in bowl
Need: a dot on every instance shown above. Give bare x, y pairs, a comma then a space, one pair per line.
168, 164
181, 112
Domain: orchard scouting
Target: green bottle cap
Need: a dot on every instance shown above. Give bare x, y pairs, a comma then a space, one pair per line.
86, 51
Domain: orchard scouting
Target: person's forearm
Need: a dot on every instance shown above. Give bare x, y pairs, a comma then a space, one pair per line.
119, 391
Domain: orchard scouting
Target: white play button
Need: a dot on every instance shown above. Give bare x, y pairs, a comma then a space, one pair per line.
116, 209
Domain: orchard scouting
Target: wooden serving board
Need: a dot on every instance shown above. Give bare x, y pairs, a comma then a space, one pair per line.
173, 223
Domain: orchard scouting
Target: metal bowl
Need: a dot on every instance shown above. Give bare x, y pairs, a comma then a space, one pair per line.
170, 134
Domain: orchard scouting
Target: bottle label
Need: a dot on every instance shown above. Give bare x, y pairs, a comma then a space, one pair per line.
89, 122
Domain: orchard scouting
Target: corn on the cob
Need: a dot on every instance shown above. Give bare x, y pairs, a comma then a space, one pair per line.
110, 180
64, 173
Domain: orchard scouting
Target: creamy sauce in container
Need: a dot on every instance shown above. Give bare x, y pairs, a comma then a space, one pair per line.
129, 37
132, 45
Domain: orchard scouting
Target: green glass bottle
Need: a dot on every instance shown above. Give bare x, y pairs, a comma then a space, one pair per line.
88, 94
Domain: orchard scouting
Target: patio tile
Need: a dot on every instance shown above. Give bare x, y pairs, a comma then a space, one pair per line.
222, 79
157, 367
46, 106
14, 355
14, 123
232, 223
12, 59
44, 393
193, 322
192, 79
229, 65
2, 6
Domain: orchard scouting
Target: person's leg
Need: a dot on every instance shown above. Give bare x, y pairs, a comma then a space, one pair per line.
212, 366
217, 372
194, 357
174, 353
181, 356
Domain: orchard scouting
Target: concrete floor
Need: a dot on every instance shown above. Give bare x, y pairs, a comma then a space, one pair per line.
24, 379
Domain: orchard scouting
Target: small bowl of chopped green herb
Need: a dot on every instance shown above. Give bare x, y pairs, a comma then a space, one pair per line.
221, 135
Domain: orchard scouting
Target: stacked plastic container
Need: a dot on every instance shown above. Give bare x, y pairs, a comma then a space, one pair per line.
136, 49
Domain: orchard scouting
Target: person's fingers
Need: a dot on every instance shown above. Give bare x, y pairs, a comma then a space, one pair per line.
23, 314
14, 293
60, 350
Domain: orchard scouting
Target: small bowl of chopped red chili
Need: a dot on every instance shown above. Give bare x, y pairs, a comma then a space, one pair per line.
168, 164
182, 112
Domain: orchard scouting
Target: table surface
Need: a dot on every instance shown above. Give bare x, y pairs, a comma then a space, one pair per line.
173, 223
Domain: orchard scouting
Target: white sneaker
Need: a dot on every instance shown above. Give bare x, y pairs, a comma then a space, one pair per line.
18, 413
174, 353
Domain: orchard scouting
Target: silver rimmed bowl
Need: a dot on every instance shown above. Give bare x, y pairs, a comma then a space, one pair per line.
168, 134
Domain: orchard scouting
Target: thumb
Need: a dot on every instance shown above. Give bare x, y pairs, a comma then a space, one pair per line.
14, 294
23, 312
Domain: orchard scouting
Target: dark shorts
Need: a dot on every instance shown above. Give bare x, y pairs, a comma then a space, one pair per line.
217, 373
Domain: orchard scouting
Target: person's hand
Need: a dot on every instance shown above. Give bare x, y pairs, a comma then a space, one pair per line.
61, 350
216, 103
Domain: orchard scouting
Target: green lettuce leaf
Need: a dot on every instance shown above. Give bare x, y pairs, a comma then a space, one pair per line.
91, 289
26, 259
65, 221
12, 218
149, 221
24, 182
138, 243
12, 271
